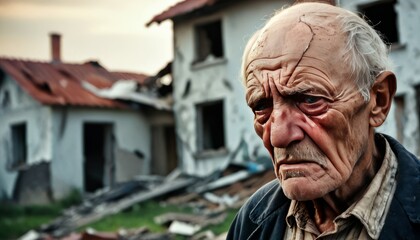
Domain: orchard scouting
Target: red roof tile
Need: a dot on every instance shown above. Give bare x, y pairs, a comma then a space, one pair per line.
181, 8
138, 77
60, 83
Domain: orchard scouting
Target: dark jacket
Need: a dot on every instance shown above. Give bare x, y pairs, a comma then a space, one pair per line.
263, 215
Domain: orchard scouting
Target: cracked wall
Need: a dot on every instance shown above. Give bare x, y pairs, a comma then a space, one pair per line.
22, 109
131, 133
213, 80
55, 136
219, 79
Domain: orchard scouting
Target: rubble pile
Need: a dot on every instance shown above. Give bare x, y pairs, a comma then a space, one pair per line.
209, 196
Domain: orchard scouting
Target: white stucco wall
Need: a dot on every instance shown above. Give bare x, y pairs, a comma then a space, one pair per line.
238, 23
131, 129
22, 109
406, 62
212, 82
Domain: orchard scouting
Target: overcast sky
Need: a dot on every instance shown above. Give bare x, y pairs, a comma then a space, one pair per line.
110, 31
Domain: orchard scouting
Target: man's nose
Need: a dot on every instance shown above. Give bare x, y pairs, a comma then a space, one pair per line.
285, 127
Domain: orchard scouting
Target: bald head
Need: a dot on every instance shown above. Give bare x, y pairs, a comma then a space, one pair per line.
292, 33
321, 30
304, 19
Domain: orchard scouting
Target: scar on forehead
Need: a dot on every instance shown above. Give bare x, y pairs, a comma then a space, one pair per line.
317, 22
310, 41
322, 24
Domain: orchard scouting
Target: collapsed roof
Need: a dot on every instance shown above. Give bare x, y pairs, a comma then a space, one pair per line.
58, 83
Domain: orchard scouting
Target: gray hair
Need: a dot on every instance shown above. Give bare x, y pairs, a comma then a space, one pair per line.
367, 54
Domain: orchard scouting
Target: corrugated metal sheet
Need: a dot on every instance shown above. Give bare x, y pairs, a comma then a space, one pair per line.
60, 83
181, 8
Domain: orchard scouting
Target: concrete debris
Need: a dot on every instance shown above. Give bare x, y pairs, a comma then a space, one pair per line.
203, 219
232, 178
167, 218
209, 197
183, 228
31, 235
112, 201
225, 199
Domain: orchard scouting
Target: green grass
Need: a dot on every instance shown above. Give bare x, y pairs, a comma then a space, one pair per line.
142, 215
138, 216
17, 220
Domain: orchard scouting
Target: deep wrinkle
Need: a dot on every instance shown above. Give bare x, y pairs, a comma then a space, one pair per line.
305, 69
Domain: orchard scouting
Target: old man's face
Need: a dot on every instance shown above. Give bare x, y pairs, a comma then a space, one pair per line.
308, 110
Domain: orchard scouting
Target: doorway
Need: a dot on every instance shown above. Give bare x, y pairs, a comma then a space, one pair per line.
98, 152
164, 154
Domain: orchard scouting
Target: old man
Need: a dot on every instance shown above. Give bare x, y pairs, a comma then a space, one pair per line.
318, 82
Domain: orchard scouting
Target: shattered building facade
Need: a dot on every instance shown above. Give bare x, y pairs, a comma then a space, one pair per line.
213, 123
77, 126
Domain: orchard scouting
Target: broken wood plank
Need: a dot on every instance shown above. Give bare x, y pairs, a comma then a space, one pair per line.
65, 224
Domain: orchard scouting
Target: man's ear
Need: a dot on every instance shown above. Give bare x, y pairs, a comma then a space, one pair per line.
382, 92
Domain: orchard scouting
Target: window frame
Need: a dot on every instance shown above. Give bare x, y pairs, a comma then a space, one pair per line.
19, 143
205, 28
375, 22
203, 139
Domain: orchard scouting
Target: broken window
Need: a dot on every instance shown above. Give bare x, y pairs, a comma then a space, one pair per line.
383, 18
5, 99
400, 116
19, 150
208, 41
210, 126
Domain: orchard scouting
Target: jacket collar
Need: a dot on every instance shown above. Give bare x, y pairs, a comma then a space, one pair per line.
407, 192
408, 180
271, 201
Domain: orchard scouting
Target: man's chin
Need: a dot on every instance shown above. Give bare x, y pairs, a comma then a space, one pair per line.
298, 189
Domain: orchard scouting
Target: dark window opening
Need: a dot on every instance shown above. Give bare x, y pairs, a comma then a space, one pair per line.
208, 41
400, 116
5, 102
2, 78
211, 132
98, 156
19, 149
45, 87
383, 18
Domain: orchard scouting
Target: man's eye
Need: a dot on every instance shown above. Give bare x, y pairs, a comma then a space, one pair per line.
312, 105
310, 99
262, 105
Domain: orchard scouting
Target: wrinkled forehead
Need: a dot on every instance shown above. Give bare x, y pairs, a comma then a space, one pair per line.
308, 30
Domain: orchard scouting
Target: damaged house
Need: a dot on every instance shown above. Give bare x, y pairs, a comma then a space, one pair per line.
213, 123
79, 126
